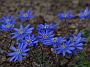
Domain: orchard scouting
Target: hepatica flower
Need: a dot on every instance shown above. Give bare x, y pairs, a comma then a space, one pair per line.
8, 19
19, 52
79, 38
7, 23
30, 40
85, 14
23, 16
65, 15
57, 40
65, 47
78, 41
45, 37
22, 32
7, 27
46, 26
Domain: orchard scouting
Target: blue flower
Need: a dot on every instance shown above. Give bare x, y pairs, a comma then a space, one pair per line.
78, 46
7, 27
8, 19
78, 41
23, 16
46, 26
45, 37
65, 15
30, 40
22, 32
19, 52
79, 38
85, 14
7, 23
65, 47
57, 40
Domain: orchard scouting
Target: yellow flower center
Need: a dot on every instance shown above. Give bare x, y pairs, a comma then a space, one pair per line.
21, 31
45, 36
63, 46
65, 15
55, 39
28, 41
25, 15
86, 14
46, 26
7, 20
18, 50
8, 26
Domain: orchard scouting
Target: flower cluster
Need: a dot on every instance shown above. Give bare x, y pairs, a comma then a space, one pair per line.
23, 35
60, 45
45, 35
84, 14
70, 45
24, 38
